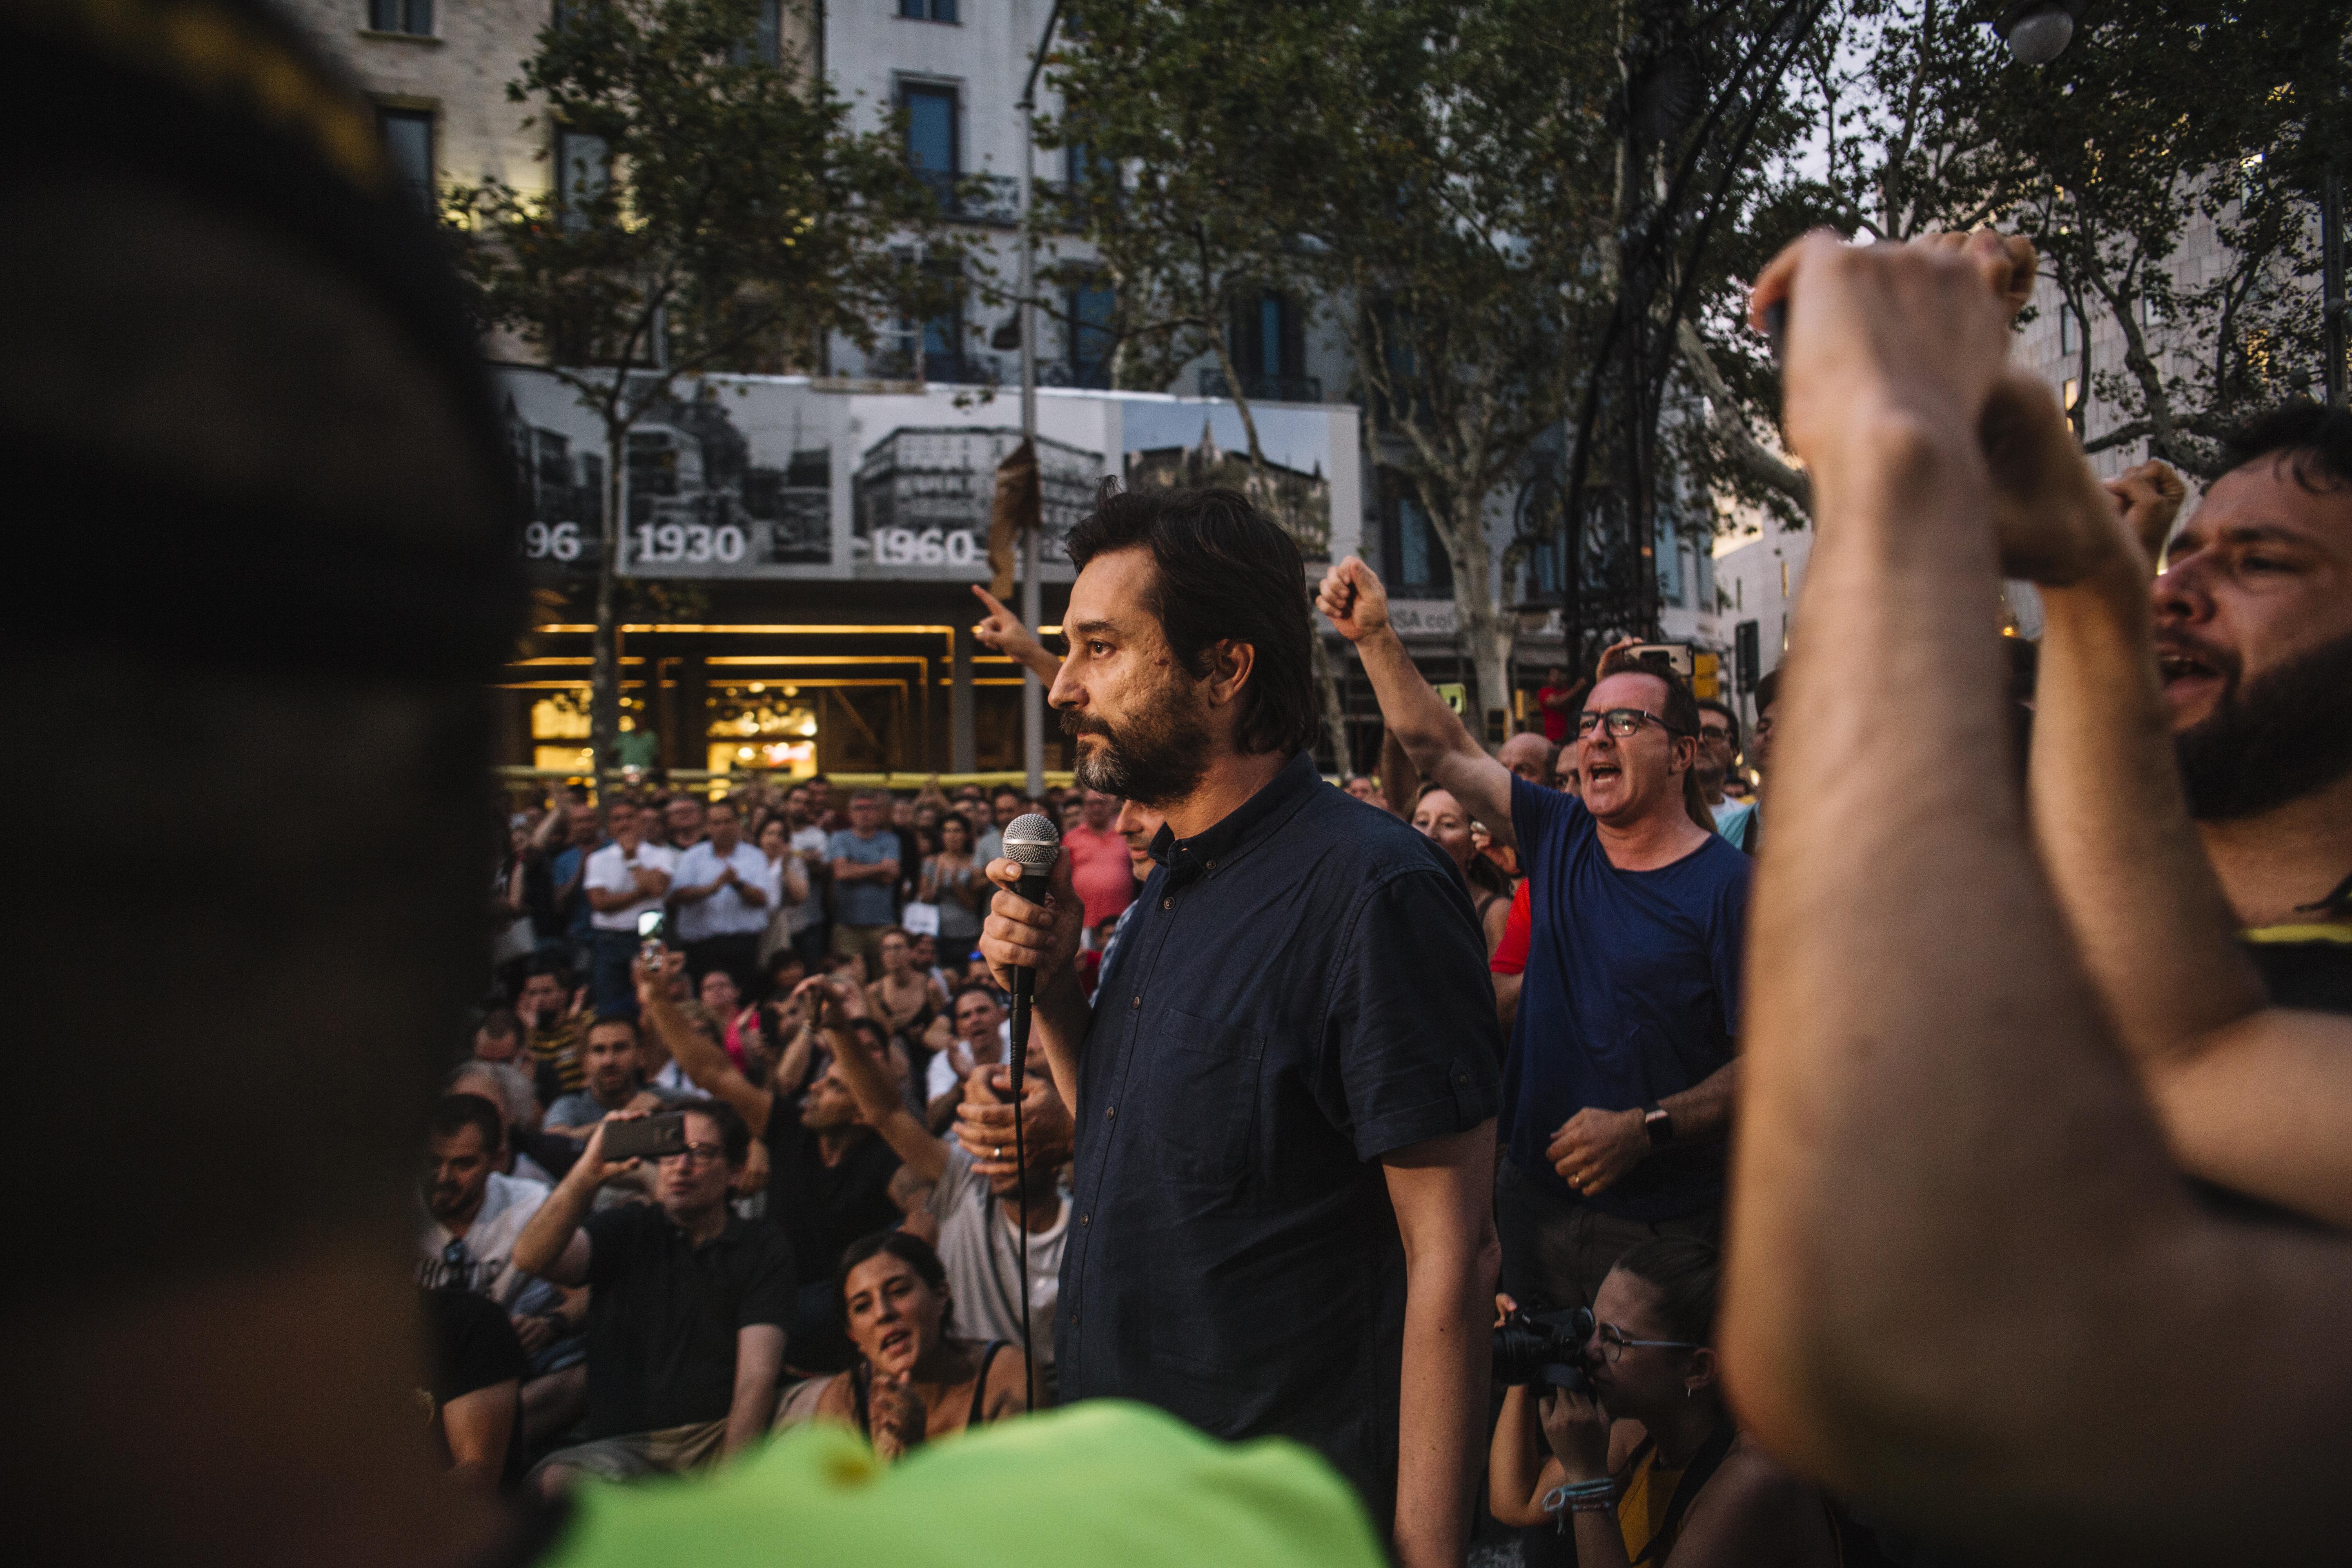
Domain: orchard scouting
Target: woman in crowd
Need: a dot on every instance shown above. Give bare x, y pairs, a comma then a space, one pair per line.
1649, 1466
951, 881
904, 1000
775, 842
915, 1378
1438, 816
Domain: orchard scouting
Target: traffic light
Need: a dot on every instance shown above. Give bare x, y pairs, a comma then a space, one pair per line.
1747, 659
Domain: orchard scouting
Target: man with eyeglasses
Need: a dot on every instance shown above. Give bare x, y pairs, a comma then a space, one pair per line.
686, 1320
1618, 1089
1718, 752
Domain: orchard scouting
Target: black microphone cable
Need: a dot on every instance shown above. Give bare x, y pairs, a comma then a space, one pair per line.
1036, 844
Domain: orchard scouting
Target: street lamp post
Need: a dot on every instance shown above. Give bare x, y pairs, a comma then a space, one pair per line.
1033, 598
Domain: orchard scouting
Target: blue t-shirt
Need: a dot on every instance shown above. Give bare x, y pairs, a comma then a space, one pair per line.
864, 903
560, 871
1632, 994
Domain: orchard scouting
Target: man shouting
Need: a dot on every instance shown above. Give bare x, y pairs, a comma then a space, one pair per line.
1285, 1084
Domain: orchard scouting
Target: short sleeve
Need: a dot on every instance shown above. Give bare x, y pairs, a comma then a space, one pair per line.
769, 877
939, 1077
955, 1184
1511, 953
770, 1281
1412, 1016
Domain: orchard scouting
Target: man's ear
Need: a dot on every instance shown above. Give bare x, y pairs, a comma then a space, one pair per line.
1230, 666
1703, 1371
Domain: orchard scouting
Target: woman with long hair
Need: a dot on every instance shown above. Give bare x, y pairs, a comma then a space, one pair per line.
1438, 816
951, 881
915, 1379
1649, 1467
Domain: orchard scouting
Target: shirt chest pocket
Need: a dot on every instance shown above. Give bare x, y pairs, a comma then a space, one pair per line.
1203, 1114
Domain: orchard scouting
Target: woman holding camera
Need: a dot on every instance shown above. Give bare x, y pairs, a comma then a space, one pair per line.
1649, 1467
915, 1379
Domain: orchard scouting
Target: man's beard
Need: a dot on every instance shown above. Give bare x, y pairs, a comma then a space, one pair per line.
1156, 759
2273, 739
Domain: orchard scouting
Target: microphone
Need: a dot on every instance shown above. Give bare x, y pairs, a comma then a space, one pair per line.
1034, 842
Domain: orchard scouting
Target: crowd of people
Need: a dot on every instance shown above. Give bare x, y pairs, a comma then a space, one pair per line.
1957, 1172
821, 1013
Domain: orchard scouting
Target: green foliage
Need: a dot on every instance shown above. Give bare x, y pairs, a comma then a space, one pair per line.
2161, 115
737, 218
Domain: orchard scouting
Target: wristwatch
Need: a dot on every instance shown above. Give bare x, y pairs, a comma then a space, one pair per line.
1659, 1123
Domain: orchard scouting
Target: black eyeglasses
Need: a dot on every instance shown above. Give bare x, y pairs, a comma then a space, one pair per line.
699, 1153
1622, 722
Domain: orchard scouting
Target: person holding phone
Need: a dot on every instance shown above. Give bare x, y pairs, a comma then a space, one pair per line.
687, 1320
625, 879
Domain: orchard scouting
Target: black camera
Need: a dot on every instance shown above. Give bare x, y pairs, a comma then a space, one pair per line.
1544, 1347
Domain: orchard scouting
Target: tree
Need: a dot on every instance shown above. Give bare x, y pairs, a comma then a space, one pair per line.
1462, 209
1186, 113
2157, 115
712, 210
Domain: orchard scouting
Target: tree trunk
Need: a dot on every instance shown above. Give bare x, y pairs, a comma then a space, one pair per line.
604, 680
1482, 629
1326, 674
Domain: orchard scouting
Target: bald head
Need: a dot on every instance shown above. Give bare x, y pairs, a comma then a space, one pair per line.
1530, 757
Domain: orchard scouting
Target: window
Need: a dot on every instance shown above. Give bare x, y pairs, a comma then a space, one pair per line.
408, 139
2072, 394
411, 16
766, 44
1410, 549
1089, 334
927, 10
584, 168
1268, 341
2070, 330
1669, 560
932, 142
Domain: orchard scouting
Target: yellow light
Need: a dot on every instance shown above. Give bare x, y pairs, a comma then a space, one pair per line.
758, 686
744, 752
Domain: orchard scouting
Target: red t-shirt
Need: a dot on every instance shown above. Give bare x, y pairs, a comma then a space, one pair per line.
1511, 953
1554, 722
1101, 871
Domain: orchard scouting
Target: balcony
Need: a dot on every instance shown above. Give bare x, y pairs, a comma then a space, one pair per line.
966, 369
1265, 388
990, 200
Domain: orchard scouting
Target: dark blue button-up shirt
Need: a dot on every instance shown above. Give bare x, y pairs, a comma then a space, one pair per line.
1303, 991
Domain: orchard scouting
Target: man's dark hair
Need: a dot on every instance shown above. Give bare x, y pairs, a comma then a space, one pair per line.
453, 1113
2314, 440
734, 1133
549, 963
1684, 1271
1221, 571
500, 1024
1712, 705
626, 1019
1768, 691
968, 987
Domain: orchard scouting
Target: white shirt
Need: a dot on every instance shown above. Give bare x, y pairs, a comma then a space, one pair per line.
488, 1265
810, 911
609, 871
724, 912
981, 1251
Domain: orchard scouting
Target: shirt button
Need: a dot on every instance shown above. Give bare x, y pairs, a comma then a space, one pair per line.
1111, 1114
1213, 864
1167, 903
1135, 1002
1088, 1218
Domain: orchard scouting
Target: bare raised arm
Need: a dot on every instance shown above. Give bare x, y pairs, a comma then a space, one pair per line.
1959, 1258
700, 1057
1432, 735
878, 1100
2256, 1098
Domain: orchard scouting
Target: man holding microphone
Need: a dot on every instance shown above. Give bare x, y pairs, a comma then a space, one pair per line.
1285, 1088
